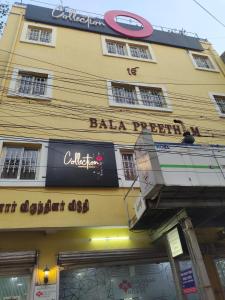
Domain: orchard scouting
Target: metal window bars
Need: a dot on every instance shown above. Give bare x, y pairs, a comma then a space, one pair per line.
116, 48
203, 62
19, 163
140, 52
220, 100
129, 166
124, 94
39, 35
31, 84
152, 97
137, 95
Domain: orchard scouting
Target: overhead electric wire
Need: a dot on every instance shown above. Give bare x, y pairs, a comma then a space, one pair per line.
207, 129
209, 13
103, 96
131, 119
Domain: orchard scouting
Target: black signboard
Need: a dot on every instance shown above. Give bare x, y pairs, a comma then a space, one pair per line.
70, 18
81, 164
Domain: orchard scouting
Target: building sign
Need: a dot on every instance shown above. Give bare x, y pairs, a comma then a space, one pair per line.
81, 164
188, 282
68, 17
69, 14
45, 207
45, 292
138, 126
174, 242
110, 19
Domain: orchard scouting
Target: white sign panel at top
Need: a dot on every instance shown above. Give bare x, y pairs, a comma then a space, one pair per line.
174, 242
45, 292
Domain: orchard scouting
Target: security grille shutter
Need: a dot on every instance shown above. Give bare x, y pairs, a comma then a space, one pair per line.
17, 262
112, 257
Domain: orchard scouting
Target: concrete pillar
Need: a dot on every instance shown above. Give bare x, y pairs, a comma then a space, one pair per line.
204, 286
176, 272
214, 277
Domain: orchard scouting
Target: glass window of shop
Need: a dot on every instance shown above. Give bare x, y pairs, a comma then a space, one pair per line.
136, 282
14, 287
220, 265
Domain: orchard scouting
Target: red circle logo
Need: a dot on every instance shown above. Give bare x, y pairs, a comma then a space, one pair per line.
110, 16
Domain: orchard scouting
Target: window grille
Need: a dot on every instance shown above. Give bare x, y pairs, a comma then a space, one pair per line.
152, 97
39, 34
138, 95
220, 100
32, 84
140, 52
203, 62
116, 48
129, 166
124, 94
19, 163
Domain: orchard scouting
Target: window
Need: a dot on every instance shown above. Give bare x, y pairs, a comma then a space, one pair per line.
19, 163
137, 51
22, 163
31, 83
141, 96
40, 34
128, 166
219, 101
124, 94
152, 97
203, 62
116, 48
140, 52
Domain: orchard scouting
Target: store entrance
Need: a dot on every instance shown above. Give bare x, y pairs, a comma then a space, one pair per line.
16, 268
14, 287
125, 282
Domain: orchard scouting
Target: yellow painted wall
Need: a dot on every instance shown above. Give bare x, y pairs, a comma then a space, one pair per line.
74, 102
70, 110
50, 244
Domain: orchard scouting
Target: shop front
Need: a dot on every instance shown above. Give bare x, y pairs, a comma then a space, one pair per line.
16, 274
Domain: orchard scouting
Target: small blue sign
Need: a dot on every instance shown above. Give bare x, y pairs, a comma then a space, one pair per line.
188, 282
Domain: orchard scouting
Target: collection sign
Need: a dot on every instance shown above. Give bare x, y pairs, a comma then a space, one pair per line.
81, 164
110, 19
68, 17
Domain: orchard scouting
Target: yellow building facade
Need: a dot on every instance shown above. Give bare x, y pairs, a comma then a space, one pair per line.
70, 81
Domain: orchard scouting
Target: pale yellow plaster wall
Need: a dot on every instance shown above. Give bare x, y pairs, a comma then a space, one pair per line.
76, 52
49, 245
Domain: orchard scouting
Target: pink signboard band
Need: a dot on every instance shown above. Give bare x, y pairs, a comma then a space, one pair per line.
111, 15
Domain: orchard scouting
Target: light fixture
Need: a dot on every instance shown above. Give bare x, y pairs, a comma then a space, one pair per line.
46, 273
114, 238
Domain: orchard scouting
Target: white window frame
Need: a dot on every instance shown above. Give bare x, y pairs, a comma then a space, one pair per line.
120, 171
13, 83
211, 95
26, 26
215, 67
140, 105
40, 179
104, 40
